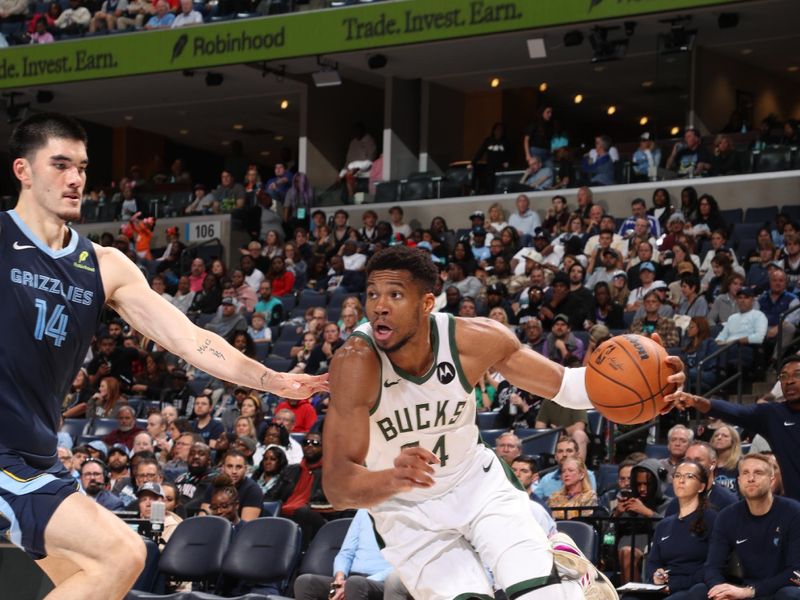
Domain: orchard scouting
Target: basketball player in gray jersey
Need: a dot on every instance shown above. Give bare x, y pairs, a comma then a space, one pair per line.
401, 440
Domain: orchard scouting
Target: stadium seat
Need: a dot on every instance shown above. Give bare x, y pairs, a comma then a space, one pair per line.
772, 160
283, 348
584, 535
264, 553
289, 334
761, 214
278, 363
195, 552
505, 181
324, 548
387, 191
544, 443
417, 189
148, 578
74, 427
793, 211
102, 427
489, 436
263, 350
656, 451
289, 302
745, 247
733, 216
149, 406
596, 422
745, 231
298, 437
298, 312
334, 312
271, 508
310, 297
486, 419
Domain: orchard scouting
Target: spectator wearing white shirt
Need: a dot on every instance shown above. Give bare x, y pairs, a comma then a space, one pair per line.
525, 221
396, 217
748, 328
353, 259
187, 16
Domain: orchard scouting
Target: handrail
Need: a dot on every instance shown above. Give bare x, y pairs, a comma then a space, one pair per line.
779, 343
540, 433
737, 376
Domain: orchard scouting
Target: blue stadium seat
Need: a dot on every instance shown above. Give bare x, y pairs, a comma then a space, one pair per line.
732, 216
656, 451
584, 535
74, 427
761, 214
148, 578
318, 559
289, 334
283, 348
793, 211
489, 436
289, 302
262, 351
545, 443
772, 160
745, 231
277, 363
486, 419
101, 427
607, 476
271, 508
596, 422
310, 297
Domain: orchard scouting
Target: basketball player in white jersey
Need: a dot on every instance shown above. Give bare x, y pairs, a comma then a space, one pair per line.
401, 440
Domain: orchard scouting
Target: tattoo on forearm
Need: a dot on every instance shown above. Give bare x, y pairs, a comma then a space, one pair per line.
206, 345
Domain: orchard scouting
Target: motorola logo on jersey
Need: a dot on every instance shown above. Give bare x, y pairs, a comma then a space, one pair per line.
445, 372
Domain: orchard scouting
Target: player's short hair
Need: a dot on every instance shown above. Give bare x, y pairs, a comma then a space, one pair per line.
404, 258
34, 132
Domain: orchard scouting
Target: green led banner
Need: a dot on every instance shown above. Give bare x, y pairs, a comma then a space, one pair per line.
327, 32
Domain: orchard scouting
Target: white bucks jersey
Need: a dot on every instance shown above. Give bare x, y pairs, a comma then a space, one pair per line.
435, 411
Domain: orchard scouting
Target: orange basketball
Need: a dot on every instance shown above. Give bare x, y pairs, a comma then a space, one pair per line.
626, 379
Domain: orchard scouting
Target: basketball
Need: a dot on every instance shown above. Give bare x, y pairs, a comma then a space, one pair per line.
626, 379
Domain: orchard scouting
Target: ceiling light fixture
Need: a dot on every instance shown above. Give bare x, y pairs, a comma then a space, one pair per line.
578, 98
284, 104
675, 130
495, 82
611, 110
238, 126
543, 87
644, 121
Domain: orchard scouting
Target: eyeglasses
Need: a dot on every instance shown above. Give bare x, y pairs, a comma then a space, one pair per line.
786, 377
312, 443
687, 476
89, 475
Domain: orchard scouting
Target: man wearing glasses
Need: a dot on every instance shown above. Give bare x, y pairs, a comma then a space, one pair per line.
94, 480
778, 423
307, 505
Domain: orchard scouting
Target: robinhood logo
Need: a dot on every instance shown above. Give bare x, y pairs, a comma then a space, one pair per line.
232, 42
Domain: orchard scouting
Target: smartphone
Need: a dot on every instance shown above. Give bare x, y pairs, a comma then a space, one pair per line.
625, 494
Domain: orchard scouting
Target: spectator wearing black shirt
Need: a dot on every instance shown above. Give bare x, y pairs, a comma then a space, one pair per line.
539, 135
208, 428
764, 530
321, 355
708, 216
726, 160
689, 158
497, 150
112, 360
251, 497
199, 476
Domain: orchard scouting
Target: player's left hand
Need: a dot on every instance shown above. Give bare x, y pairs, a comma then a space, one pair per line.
293, 385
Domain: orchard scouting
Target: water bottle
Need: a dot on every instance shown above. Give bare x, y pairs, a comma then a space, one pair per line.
610, 537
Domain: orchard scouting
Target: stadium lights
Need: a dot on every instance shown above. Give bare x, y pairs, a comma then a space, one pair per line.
675, 130
644, 121
495, 82
543, 87
605, 49
578, 98
284, 104
611, 110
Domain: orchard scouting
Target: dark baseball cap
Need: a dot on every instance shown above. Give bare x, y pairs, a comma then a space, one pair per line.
561, 317
497, 288
228, 302
746, 291
151, 487
476, 214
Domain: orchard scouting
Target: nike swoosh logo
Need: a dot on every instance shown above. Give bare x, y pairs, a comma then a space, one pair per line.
788, 424
741, 541
18, 246
487, 467
666, 537
388, 384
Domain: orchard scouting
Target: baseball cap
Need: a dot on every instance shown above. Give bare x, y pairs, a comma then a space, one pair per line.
425, 246
610, 251
119, 449
228, 302
179, 373
531, 254
248, 442
676, 217
151, 487
746, 291
476, 214
647, 266
620, 274
645, 136
561, 317
99, 446
541, 234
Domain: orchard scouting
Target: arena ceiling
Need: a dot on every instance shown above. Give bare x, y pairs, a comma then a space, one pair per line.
185, 109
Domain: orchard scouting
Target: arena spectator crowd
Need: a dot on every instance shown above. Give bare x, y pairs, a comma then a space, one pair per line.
563, 279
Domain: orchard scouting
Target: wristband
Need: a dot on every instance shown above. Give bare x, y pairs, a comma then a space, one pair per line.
572, 393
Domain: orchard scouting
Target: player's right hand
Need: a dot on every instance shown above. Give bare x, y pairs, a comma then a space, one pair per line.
412, 468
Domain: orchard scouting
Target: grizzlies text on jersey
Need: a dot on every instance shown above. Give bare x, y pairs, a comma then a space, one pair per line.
51, 303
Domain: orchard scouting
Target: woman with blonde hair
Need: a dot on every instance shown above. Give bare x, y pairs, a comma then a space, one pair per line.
496, 219
575, 491
355, 303
243, 426
728, 444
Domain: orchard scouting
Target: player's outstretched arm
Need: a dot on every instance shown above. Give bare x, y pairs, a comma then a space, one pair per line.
355, 386
127, 292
